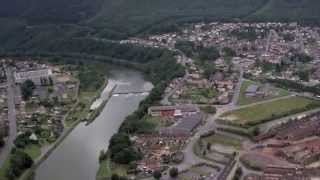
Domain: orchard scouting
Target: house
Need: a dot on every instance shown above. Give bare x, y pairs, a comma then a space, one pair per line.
251, 90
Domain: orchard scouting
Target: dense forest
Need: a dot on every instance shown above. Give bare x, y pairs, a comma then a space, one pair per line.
42, 22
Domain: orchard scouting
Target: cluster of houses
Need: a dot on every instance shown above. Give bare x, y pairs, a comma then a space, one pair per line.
225, 84
257, 46
222, 83
53, 94
158, 151
3, 113
3, 102
272, 43
302, 153
165, 146
294, 130
295, 143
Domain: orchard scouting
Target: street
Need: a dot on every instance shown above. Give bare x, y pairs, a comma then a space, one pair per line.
4, 153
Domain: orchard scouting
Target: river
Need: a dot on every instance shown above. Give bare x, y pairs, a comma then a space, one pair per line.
76, 158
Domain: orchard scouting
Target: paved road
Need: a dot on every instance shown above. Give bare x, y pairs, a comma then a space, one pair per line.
238, 88
11, 117
165, 99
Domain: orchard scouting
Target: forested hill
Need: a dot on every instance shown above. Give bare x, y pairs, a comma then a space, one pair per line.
28, 24
42, 11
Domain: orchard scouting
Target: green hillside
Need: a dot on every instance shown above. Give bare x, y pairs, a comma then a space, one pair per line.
134, 15
45, 24
306, 11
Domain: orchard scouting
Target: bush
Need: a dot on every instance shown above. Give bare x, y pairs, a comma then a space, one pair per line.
19, 161
103, 156
174, 172
157, 174
27, 89
209, 109
1, 142
121, 150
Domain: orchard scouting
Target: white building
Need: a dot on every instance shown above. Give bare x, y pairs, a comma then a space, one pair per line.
37, 76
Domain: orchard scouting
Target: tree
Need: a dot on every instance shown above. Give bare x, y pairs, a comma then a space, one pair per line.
238, 174
115, 177
103, 156
27, 88
174, 172
157, 174
228, 52
209, 69
209, 146
19, 161
301, 57
1, 142
208, 53
256, 131
304, 75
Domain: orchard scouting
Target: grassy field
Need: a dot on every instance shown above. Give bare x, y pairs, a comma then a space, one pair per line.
33, 150
4, 169
267, 111
244, 100
224, 140
107, 168
200, 95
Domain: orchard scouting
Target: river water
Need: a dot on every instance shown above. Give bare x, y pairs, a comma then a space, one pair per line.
76, 158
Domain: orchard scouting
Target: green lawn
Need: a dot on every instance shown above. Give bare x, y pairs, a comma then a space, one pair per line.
200, 95
271, 110
34, 151
104, 170
224, 140
244, 100
4, 169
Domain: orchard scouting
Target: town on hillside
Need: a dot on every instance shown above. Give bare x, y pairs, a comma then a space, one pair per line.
247, 108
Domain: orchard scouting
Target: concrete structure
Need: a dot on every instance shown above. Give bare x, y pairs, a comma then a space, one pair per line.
37, 76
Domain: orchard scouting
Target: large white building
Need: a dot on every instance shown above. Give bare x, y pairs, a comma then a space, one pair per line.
37, 76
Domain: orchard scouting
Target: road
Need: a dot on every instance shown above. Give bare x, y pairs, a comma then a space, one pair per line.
237, 88
165, 99
11, 117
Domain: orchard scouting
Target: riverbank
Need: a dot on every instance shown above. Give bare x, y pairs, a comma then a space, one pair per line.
28, 174
39, 152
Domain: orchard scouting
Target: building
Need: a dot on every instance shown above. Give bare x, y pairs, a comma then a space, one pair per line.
173, 111
251, 90
285, 173
37, 76
184, 127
